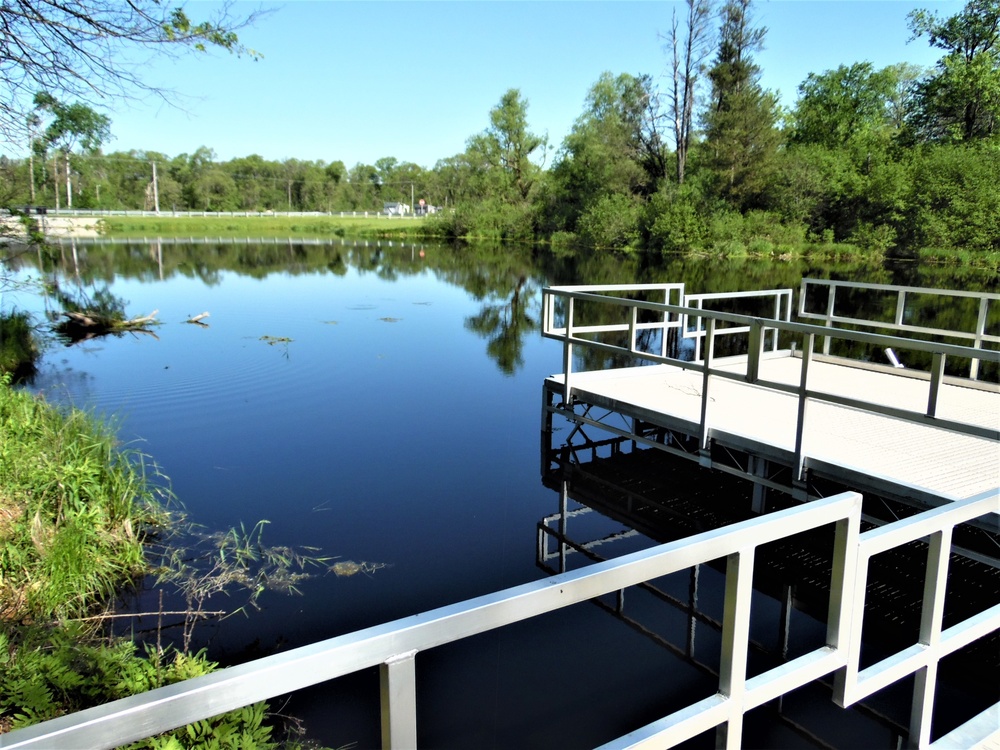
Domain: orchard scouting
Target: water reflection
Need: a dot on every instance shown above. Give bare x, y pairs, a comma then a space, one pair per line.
504, 281
615, 498
397, 442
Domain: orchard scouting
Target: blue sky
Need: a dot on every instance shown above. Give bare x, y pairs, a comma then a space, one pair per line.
356, 81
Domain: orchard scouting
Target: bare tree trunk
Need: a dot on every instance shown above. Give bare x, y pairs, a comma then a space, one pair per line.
688, 57
31, 168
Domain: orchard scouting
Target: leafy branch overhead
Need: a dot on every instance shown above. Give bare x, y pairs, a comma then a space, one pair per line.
93, 50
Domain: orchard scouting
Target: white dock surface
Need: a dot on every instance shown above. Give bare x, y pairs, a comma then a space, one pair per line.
942, 462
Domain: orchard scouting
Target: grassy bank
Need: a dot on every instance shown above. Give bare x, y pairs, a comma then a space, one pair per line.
76, 512
265, 226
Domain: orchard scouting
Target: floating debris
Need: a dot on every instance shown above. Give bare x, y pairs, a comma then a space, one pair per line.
196, 319
274, 340
346, 568
390, 320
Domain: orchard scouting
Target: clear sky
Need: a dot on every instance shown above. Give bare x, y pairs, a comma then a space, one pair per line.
356, 81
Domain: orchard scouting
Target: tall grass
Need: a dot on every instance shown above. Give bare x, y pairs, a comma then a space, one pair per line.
77, 513
74, 509
18, 347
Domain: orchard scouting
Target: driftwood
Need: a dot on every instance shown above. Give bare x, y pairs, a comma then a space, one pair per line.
94, 320
198, 318
83, 326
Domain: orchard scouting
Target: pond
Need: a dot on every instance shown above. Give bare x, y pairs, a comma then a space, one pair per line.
381, 402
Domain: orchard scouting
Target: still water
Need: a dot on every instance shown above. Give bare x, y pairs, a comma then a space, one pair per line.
381, 402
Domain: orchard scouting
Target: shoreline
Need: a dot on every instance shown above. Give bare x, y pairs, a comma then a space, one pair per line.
55, 226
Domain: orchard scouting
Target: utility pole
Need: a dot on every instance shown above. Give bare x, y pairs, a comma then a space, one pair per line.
55, 177
69, 184
32, 124
156, 191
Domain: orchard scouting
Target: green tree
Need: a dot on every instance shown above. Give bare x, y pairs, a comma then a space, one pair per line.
955, 201
960, 100
71, 125
851, 103
740, 125
214, 190
613, 149
502, 154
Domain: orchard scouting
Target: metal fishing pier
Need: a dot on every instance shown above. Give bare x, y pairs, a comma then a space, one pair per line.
784, 412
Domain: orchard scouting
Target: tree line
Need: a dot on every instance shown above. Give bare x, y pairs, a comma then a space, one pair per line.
704, 160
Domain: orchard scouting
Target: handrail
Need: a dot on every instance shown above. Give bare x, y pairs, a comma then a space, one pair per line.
934, 642
978, 336
921, 660
394, 646
568, 334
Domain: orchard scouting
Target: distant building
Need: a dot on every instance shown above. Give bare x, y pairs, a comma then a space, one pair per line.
395, 209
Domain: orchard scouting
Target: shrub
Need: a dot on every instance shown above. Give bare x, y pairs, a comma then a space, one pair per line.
612, 223
18, 348
676, 225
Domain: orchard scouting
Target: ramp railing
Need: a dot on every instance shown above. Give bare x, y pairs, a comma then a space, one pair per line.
393, 647
904, 305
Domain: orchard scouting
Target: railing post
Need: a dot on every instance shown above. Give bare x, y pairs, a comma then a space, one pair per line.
568, 353
398, 689
844, 571
980, 332
937, 373
666, 321
633, 320
705, 458
735, 644
931, 615
698, 331
799, 471
900, 306
756, 350
831, 296
563, 523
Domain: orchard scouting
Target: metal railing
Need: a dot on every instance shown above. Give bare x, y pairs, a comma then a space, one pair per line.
393, 647
781, 310
900, 312
934, 642
921, 660
565, 299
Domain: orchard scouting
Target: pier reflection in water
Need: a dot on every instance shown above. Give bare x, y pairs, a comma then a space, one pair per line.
615, 497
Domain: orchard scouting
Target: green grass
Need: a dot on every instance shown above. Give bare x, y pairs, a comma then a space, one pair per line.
265, 226
948, 256
74, 510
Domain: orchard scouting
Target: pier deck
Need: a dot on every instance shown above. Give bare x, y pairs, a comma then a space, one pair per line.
839, 440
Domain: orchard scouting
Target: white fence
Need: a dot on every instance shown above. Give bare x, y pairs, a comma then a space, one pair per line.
98, 213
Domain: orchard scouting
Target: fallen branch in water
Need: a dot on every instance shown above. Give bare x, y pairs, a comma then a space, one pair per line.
82, 326
198, 318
